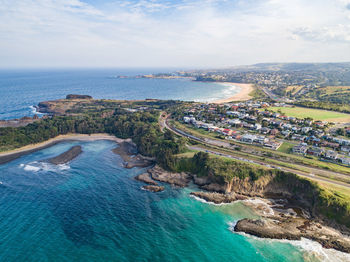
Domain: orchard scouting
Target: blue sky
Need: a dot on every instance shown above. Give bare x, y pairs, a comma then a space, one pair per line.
180, 33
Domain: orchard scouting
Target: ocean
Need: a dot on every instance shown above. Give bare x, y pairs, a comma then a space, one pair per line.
21, 90
93, 210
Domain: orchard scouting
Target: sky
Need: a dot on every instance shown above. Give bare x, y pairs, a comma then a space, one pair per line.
178, 33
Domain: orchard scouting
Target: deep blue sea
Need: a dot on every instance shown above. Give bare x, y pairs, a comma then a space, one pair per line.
20, 90
93, 210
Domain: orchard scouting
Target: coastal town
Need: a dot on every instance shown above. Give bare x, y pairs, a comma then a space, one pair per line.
253, 123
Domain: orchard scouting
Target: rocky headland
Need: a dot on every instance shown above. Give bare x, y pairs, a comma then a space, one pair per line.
287, 209
277, 227
177, 179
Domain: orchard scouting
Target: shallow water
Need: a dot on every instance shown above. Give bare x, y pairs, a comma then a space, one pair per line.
93, 210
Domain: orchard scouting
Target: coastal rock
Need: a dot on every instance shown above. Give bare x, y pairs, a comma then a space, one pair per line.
128, 152
153, 188
73, 96
177, 179
294, 229
145, 177
218, 198
201, 181
215, 187
66, 156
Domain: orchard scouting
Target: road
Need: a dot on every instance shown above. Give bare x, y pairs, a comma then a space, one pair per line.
261, 163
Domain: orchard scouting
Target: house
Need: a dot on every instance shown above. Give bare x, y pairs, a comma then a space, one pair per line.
234, 113
300, 149
189, 119
272, 144
315, 151
264, 130
344, 160
330, 154
247, 138
345, 149
274, 132
347, 130
285, 133
330, 144
257, 126
306, 129
298, 137
260, 140
227, 132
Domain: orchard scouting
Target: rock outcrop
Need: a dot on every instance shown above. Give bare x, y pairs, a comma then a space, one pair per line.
66, 156
73, 96
128, 152
177, 179
294, 229
146, 178
218, 198
153, 188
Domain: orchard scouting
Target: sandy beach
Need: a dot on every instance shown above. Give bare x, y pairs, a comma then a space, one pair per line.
242, 95
16, 153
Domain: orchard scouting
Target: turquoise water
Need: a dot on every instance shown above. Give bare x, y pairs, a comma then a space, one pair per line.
22, 89
93, 210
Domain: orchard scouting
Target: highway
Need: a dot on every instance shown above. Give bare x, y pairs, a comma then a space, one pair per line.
232, 156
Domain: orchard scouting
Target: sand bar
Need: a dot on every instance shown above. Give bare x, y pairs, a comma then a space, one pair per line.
16, 153
242, 95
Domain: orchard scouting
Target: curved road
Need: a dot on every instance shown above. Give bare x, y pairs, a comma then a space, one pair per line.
213, 151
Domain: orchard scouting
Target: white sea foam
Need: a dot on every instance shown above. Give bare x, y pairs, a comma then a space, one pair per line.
316, 249
259, 204
208, 202
31, 168
43, 166
227, 92
35, 111
231, 226
311, 248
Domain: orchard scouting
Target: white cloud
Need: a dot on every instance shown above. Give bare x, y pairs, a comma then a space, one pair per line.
187, 33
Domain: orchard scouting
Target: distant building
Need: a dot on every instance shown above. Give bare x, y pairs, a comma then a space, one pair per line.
315, 151
300, 149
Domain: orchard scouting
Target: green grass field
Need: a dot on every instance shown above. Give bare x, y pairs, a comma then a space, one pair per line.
285, 147
315, 114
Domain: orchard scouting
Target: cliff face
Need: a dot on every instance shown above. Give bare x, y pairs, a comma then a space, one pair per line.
298, 191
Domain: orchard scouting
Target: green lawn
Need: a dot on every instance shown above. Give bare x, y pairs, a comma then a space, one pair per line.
315, 114
286, 147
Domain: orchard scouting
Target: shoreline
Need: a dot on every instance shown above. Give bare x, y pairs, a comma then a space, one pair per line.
242, 95
8, 156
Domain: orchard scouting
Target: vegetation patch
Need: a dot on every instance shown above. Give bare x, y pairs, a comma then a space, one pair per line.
315, 114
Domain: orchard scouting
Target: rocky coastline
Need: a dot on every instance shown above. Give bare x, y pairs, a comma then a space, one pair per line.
280, 217
127, 150
218, 198
277, 227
